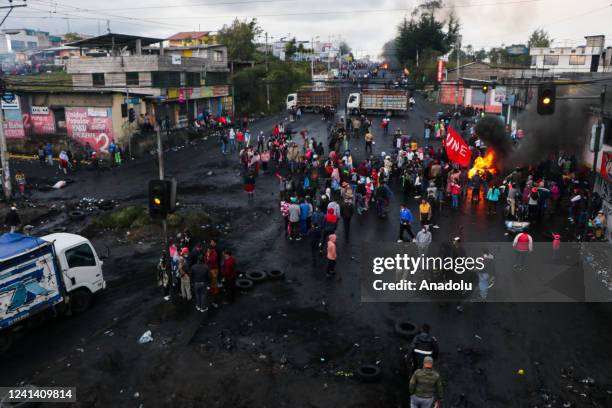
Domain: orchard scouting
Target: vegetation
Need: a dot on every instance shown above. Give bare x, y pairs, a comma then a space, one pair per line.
239, 38
56, 81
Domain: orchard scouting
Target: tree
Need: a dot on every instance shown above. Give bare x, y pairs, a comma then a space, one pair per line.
345, 49
301, 48
72, 37
291, 48
539, 38
239, 38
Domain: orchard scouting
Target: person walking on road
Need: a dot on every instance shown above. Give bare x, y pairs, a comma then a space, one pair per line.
12, 219
523, 244
493, 195
184, 274
49, 154
346, 211
425, 384
200, 280
294, 220
423, 239
229, 275
211, 258
406, 219
425, 212
369, 141
331, 256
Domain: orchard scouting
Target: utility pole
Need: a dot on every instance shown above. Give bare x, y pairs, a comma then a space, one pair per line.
458, 51
4, 154
160, 160
267, 82
598, 135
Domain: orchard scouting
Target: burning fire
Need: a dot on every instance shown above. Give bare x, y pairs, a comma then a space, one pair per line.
481, 163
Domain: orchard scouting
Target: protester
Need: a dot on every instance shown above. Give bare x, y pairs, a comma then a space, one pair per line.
229, 274
200, 280
405, 223
425, 384
523, 245
331, 255
12, 219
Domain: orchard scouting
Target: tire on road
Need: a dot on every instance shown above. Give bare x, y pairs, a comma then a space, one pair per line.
406, 329
80, 300
368, 373
76, 215
106, 205
256, 276
276, 274
244, 284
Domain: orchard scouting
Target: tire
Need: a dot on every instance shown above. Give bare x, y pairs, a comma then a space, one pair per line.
80, 300
276, 275
368, 373
244, 284
106, 205
406, 329
76, 215
256, 276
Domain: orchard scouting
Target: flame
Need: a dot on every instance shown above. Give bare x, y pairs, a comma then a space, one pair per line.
481, 163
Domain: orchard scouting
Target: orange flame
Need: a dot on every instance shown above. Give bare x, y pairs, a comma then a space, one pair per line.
482, 163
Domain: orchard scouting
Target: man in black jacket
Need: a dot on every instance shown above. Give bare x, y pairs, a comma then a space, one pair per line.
12, 219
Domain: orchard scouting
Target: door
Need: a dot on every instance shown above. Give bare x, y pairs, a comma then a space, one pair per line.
81, 267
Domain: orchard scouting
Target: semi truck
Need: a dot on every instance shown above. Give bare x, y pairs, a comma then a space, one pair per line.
371, 101
313, 99
54, 274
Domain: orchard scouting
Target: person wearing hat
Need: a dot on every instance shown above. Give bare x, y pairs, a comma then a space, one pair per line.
425, 384
294, 219
12, 218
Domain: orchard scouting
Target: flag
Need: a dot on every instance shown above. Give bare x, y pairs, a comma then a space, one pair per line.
456, 149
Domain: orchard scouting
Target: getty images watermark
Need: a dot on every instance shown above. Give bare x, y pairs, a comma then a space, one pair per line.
492, 272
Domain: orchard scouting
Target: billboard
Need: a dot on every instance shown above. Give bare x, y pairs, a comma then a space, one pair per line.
440, 70
42, 124
93, 126
13, 124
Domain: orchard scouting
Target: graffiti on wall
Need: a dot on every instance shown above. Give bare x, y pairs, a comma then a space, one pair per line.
93, 126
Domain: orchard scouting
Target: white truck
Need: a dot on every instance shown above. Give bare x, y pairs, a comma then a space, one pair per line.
374, 100
58, 272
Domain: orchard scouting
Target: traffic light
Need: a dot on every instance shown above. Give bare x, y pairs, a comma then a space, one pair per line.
131, 115
162, 198
546, 98
485, 88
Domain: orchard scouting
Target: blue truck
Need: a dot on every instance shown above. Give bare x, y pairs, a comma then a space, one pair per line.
58, 272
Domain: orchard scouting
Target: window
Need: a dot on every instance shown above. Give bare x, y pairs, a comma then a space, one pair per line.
192, 79
32, 44
80, 256
17, 45
98, 79
577, 59
161, 79
290, 98
551, 60
131, 78
534, 60
351, 99
218, 56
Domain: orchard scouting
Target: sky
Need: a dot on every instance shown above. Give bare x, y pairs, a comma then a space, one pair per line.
365, 24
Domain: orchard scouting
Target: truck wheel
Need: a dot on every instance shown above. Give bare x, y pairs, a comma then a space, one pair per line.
80, 300
356, 112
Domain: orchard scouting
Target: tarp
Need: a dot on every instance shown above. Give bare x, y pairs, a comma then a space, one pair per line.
15, 244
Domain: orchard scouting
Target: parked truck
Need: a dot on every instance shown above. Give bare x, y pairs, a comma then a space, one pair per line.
371, 101
56, 273
313, 99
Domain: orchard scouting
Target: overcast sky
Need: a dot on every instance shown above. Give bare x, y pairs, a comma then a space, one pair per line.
365, 24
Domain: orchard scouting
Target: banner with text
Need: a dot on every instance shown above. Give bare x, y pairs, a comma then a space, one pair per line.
93, 126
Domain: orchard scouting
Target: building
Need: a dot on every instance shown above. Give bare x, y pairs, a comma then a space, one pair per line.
190, 38
464, 86
591, 57
94, 107
21, 40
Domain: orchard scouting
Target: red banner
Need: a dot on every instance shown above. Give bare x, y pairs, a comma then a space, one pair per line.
606, 166
440, 70
456, 149
93, 126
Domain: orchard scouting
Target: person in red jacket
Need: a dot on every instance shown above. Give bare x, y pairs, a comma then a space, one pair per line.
523, 244
229, 274
211, 259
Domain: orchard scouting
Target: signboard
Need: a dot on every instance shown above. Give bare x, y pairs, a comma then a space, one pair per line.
500, 94
440, 70
606, 166
8, 97
42, 124
517, 50
594, 137
13, 124
93, 126
39, 110
176, 60
10, 101
132, 101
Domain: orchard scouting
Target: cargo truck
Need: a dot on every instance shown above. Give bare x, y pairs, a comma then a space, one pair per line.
56, 273
372, 101
313, 99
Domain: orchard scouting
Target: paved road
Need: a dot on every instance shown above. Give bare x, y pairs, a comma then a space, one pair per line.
292, 343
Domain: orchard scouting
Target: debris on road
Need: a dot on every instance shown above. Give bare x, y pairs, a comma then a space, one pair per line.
146, 337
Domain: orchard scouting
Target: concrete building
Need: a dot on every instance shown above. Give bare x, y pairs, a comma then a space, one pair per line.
190, 38
21, 40
156, 84
591, 57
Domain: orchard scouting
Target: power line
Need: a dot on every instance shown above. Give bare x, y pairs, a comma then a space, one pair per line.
184, 5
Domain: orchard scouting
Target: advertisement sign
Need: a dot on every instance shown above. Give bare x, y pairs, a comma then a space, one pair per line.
42, 124
606, 166
176, 60
517, 50
93, 126
500, 94
440, 70
13, 124
39, 110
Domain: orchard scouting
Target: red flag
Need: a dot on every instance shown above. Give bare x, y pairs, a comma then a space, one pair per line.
456, 149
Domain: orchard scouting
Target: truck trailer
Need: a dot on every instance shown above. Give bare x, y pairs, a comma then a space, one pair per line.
372, 101
56, 273
314, 99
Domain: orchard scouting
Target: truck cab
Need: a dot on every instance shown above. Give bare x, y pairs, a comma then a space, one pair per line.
80, 267
353, 104
291, 101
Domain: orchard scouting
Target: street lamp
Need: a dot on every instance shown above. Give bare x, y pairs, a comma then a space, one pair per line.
312, 58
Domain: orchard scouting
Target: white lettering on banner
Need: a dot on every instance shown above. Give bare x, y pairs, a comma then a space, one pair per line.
97, 112
93, 126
